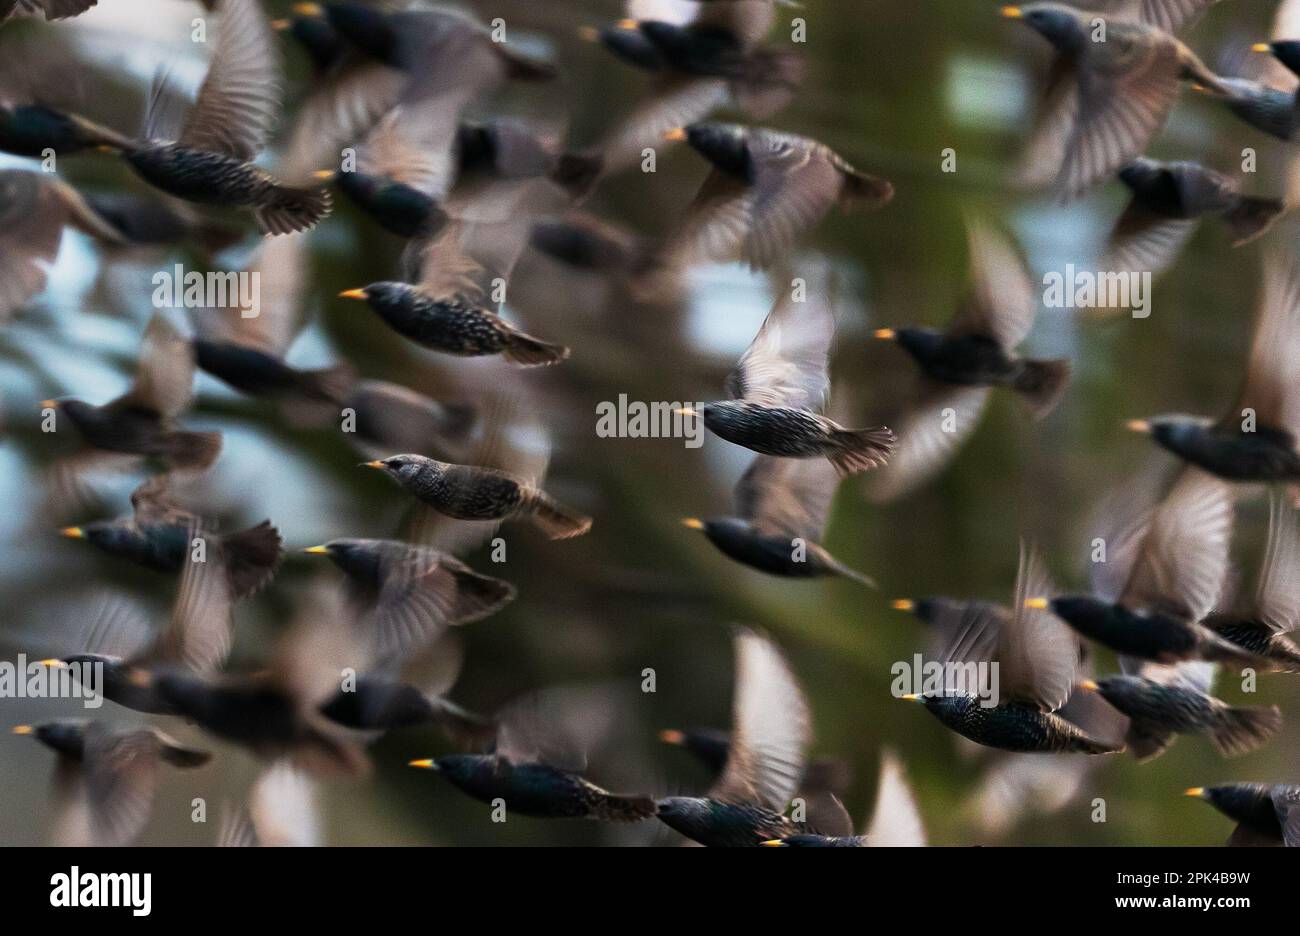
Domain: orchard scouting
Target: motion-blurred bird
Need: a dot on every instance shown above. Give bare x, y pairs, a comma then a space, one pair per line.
1114, 81
1266, 814
782, 505
1168, 200
779, 389
959, 365
770, 734
393, 418
1037, 658
1164, 701
281, 810
106, 778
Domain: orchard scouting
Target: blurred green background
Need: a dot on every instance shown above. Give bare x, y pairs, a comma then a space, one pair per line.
890, 86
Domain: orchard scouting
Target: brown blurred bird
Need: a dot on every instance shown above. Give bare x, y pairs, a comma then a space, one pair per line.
1114, 81
779, 389
106, 777
960, 365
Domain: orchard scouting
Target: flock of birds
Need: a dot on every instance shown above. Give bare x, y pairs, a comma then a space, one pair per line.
383, 124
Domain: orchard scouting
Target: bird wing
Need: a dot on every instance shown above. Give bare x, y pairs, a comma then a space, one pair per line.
1003, 302
198, 634
164, 380
1145, 241
1124, 96
788, 497
1277, 596
282, 807
121, 777
114, 624
1273, 371
787, 362
924, 443
561, 726
895, 819
152, 502
239, 99
412, 145
1038, 653
1168, 15
771, 727
675, 101
1054, 118
31, 229
748, 20
1182, 562
796, 182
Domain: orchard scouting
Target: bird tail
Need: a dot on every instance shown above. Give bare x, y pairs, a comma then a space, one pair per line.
293, 209
865, 191
1251, 217
578, 173
554, 519
527, 351
193, 451
1042, 383
330, 383
770, 80
614, 807
1238, 730
251, 558
855, 450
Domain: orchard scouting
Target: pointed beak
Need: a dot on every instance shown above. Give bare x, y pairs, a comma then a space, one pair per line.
52, 663
1012, 12
693, 522
1090, 685
902, 604
373, 464
424, 764
1138, 425
317, 550
73, 533
672, 736
773, 843
627, 24
49, 404
1261, 47
686, 411
22, 729
885, 334
676, 134
307, 9
323, 174
354, 294
913, 697
1037, 604
1196, 791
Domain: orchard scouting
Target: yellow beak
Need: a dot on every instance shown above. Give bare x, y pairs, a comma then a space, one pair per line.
886, 334
902, 604
676, 134
693, 522
773, 843
373, 464
52, 663
627, 24
22, 729
317, 550
1089, 685
354, 294
1037, 604
912, 697
672, 736
1138, 425
685, 411
1012, 12
1196, 791
307, 9
1261, 47
49, 404
425, 763
73, 533
323, 174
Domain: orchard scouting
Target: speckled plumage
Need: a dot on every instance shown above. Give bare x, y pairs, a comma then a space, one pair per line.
539, 789
1013, 726
719, 824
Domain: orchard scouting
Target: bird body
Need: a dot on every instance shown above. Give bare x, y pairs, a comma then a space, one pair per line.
775, 554
788, 432
260, 374
1013, 726
1258, 638
137, 430
1268, 454
1265, 813
540, 790
720, 824
398, 208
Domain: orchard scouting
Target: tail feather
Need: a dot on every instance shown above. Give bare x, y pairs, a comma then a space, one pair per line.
193, 450
1251, 217
1239, 730
293, 209
855, 450
527, 351
554, 519
252, 558
1042, 383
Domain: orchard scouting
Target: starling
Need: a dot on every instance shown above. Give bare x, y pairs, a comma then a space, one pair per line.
1167, 201
445, 311
465, 492
1266, 99
1255, 441
959, 365
541, 745
1266, 814
197, 636
766, 188
779, 388
404, 596
106, 777
281, 811
770, 733
393, 418
210, 160
1275, 610
1162, 701
275, 712
714, 59
783, 504
1107, 99
823, 779
30, 129
159, 533
142, 421
895, 819
34, 209
379, 704
1037, 657
1168, 573
149, 221
245, 347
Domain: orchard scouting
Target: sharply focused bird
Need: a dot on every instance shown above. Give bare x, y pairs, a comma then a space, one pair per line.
960, 365
779, 389
1266, 814
770, 734
1114, 81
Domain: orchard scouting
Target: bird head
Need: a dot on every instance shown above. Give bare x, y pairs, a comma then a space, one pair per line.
403, 467
723, 144
356, 556
1174, 432
379, 295
106, 534
921, 343
1235, 800
1063, 26
66, 736
1286, 51
1082, 612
